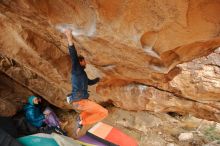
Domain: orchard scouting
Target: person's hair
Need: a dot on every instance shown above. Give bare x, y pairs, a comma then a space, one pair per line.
81, 58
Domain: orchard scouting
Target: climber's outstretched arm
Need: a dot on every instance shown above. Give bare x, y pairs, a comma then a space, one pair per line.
72, 50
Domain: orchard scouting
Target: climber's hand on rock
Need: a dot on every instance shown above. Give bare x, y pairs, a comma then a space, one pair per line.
69, 36
97, 79
68, 33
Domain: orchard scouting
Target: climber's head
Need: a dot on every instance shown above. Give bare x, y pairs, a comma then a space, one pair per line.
82, 61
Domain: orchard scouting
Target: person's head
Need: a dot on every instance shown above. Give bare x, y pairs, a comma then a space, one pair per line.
47, 111
33, 100
82, 61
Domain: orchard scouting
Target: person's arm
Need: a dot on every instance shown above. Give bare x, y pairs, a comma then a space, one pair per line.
94, 81
33, 118
72, 50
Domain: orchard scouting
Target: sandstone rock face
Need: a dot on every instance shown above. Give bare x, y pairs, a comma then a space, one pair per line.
12, 96
152, 55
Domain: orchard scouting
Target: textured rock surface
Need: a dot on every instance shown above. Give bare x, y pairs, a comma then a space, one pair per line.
12, 96
153, 55
194, 90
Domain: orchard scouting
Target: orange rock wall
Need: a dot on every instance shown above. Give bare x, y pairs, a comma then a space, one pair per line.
151, 55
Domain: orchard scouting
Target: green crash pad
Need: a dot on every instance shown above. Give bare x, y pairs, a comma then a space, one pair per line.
37, 141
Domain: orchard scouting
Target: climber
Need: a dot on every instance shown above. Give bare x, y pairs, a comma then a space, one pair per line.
90, 112
45, 121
